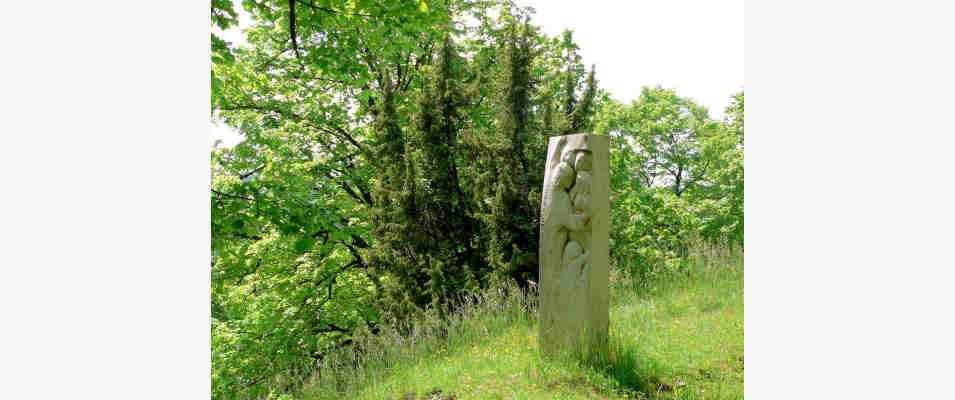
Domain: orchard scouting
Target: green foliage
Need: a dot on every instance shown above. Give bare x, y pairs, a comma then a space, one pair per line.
653, 229
722, 202
391, 163
667, 131
676, 177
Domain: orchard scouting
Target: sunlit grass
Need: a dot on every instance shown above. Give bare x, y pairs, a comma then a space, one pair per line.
681, 339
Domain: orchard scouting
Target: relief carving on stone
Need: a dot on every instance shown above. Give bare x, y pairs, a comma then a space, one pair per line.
566, 241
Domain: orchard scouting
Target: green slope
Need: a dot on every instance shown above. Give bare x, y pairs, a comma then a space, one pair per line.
682, 339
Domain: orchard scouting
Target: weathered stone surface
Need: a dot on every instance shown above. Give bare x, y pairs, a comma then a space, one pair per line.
574, 245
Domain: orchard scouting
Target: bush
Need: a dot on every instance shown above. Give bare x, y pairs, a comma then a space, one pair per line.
652, 230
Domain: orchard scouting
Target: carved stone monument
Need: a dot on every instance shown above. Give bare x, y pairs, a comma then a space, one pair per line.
574, 245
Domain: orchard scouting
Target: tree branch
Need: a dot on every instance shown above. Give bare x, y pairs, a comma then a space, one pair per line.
333, 11
291, 26
230, 195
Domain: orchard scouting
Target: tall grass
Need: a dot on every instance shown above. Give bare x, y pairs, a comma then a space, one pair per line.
371, 358
678, 335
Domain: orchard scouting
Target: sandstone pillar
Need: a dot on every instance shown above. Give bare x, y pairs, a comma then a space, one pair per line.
574, 245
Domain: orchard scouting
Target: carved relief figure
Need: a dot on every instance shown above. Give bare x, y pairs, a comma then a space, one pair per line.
574, 301
580, 195
573, 286
565, 236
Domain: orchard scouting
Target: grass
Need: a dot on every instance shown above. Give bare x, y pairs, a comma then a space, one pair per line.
679, 338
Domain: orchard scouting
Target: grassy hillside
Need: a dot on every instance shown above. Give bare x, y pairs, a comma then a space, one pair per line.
680, 338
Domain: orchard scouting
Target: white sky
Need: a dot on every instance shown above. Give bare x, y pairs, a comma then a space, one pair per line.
693, 46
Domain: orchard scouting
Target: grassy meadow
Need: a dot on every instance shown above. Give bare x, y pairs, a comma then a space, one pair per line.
677, 337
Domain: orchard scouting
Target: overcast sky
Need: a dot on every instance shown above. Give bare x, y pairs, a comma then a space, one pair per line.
693, 46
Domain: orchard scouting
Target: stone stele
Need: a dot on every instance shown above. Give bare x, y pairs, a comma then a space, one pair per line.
574, 245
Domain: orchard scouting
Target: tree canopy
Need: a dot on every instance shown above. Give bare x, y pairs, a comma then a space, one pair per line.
392, 158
